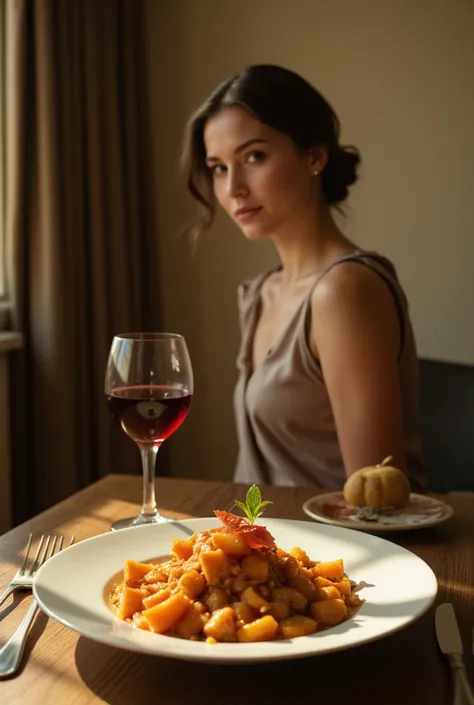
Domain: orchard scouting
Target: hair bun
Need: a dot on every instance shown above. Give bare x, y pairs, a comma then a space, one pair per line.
340, 173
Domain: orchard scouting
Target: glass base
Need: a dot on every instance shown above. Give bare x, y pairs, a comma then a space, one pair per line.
140, 520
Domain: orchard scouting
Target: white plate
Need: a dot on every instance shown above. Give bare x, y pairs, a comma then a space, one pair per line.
421, 512
400, 587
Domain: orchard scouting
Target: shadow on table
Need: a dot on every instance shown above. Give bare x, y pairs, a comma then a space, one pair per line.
10, 604
393, 671
430, 536
36, 629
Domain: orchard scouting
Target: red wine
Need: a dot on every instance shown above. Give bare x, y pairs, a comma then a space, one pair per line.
149, 414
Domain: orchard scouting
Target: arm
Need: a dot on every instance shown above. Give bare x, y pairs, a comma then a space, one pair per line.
355, 333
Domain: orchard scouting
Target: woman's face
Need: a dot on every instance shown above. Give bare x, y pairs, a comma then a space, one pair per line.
260, 178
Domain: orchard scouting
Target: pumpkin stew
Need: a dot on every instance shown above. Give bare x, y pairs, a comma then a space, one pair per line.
233, 584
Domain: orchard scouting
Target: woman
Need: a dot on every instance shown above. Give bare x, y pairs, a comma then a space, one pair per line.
328, 368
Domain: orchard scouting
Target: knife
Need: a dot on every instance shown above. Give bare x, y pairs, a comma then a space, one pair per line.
449, 640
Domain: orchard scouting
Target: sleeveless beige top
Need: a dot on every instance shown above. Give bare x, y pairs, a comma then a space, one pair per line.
285, 424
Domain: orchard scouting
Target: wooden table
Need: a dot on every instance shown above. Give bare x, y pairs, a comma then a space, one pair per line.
64, 668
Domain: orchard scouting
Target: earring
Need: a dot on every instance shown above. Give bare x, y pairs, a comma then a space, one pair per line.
315, 172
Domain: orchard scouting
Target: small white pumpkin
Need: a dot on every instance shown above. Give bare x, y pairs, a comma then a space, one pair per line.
378, 486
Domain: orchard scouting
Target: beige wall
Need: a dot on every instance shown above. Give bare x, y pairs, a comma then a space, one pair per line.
400, 75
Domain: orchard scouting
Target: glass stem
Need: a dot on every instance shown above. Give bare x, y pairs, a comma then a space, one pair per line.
149, 453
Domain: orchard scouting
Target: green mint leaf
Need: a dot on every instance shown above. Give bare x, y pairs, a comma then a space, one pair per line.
253, 506
241, 505
253, 500
244, 508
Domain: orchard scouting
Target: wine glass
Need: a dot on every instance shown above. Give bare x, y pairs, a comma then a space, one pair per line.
149, 389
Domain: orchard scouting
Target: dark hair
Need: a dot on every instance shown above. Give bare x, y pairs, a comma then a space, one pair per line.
284, 101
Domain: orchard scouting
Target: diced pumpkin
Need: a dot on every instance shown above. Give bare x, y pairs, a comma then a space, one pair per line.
221, 626
254, 599
263, 629
232, 544
344, 587
299, 625
131, 601
156, 598
192, 583
140, 621
279, 609
183, 548
301, 556
191, 624
322, 582
135, 571
215, 565
328, 593
166, 614
245, 612
332, 569
255, 567
329, 613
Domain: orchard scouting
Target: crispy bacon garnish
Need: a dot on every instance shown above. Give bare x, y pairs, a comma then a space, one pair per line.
260, 538
257, 537
232, 521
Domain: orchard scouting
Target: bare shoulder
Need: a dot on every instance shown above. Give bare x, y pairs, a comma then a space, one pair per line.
353, 301
350, 286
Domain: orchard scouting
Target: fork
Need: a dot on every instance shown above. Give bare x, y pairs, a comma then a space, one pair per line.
23, 579
12, 651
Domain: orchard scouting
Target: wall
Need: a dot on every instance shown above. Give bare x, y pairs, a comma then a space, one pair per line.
399, 74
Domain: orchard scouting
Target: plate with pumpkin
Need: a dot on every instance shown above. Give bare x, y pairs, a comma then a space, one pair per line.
229, 589
378, 498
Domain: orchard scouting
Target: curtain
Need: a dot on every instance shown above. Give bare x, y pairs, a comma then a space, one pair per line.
81, 254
